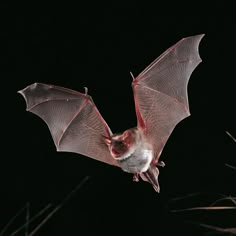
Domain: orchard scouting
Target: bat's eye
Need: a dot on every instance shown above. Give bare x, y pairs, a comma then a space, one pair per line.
119, 144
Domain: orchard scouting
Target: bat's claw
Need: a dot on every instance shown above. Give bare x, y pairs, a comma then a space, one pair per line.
132, 75
85, 90
151, 176
156, 188
161, 164
136, 178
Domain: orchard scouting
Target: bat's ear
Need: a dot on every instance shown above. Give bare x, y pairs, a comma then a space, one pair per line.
125, 135
107, 140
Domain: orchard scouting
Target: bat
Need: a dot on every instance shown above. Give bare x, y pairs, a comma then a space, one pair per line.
161, 102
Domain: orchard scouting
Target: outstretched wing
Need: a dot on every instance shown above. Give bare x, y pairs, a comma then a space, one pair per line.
72, 118
160, 91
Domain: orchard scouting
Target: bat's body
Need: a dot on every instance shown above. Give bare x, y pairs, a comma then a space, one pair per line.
135, 155
161, 102
139, 158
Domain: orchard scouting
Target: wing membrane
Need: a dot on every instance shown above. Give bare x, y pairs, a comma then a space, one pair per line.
160, 91
72, 118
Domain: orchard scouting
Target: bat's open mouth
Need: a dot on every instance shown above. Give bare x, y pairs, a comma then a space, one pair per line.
115, 153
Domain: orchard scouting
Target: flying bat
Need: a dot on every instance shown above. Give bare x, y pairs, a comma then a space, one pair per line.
161, 102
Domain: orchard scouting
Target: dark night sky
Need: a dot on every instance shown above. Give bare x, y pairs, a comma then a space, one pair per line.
75, 46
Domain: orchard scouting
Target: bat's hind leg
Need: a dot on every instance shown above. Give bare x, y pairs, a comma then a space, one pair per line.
136, 177
151, 176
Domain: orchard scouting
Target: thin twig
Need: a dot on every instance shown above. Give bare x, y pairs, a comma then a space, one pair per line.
218, 229
230, 166
31, 220
59, 206
12, 220
27, 218
210, 208
231, 136
232, 199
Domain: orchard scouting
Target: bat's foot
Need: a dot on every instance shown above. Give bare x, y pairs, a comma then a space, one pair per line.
161, 164
155, 162
136, 178
151, 176
156, 188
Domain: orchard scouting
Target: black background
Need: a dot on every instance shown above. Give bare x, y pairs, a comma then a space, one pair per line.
97, 46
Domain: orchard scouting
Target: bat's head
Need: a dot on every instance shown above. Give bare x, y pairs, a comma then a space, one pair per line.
122, 145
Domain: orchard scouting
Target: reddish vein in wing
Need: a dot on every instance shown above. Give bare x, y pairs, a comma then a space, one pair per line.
47, 100
106, 127
157, 60
174, 99
76, 114
141, 122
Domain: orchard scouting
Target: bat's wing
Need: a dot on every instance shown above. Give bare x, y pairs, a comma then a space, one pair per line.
72, 118
160, 91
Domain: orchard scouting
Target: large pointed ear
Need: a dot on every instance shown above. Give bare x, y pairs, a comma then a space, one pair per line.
107, 140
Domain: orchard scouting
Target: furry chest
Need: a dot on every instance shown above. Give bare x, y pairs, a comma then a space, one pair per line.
138, 161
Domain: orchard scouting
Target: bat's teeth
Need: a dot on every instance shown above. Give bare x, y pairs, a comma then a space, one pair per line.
115, 153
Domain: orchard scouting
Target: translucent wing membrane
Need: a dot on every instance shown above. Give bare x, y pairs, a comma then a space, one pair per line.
160, 91
73, 120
